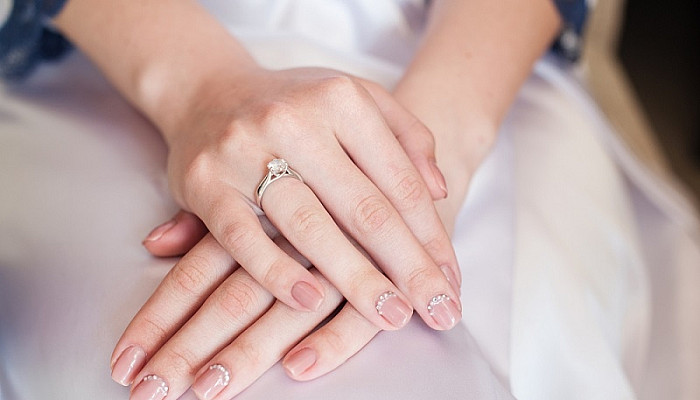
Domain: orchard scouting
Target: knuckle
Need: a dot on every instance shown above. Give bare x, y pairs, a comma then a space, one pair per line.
238, 236
307, 223
275, 274
339, 84
235, 138
437, 245
181, 360
419, 278
341, 89
359, 280
371, 214
238, 300
334, 340
155, 326
189, 275
279, 116
409, 190
250, 352
198, 172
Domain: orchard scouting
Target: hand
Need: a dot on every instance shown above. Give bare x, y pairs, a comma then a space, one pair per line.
232, 331
321, 121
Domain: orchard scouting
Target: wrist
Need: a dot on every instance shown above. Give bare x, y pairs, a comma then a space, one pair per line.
176, 106
463, 130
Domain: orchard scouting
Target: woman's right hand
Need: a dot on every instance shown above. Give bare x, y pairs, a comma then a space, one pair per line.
358, 181
227, 331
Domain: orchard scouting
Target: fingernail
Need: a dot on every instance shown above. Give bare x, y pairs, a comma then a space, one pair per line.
128, 365
444, 311
300, 362
158, 233
450, 278
152, 387
307, 296
395, 311
212, 382
439, 178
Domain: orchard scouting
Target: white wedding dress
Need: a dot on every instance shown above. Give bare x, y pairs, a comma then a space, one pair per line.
580, 267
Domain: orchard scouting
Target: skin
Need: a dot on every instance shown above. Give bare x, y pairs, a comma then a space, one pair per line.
224, 119
486, 50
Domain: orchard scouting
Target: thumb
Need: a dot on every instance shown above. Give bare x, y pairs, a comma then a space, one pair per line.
177, 236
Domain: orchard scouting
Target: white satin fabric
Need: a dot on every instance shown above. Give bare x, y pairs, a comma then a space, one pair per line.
580, 267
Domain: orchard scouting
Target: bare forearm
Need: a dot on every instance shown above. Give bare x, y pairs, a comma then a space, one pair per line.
473, 59
479, 52
158, 53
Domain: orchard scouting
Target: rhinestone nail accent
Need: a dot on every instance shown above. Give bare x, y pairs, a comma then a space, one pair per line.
382, 299
435, 301
163, 386
224, 372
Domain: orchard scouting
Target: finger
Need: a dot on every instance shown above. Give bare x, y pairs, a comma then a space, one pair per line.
415, 138
403, 189
178, 296
311, 230
177, 236
234, 224
370, 218
230, 309
258, 348
330, 346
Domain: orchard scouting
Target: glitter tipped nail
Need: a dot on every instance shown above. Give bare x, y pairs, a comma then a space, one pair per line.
393, 309
152, 387
444, 311
212, 382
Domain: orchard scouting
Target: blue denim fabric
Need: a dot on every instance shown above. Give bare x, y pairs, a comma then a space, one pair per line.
26, 39
573, 14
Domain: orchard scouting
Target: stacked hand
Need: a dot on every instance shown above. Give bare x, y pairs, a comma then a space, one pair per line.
363, 217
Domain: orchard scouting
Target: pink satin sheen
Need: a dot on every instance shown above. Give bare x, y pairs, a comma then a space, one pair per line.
128, 365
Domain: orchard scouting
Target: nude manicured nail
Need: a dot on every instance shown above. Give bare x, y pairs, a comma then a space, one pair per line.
160, 231
439, 178
444, 311
128, 365
307, 296
152, 387
393, 309
300, 362
212, 382
451, 278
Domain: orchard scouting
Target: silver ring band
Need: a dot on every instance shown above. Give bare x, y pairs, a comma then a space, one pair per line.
276, 169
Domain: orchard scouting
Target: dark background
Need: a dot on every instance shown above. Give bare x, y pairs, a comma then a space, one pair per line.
660, 49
